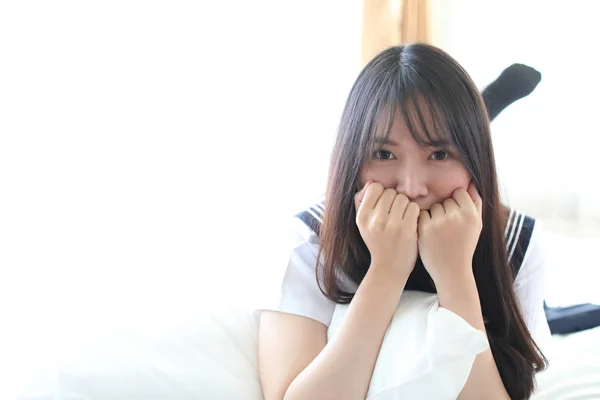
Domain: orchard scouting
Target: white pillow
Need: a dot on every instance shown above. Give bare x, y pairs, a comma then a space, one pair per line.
207, 356
427, 351
213, 355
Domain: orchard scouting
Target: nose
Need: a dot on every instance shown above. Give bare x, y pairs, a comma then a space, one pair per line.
412, 183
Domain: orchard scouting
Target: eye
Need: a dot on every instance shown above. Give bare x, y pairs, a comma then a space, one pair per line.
384, 155
440, 155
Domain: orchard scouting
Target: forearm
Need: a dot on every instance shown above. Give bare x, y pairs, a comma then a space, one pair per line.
344, 367
460, 296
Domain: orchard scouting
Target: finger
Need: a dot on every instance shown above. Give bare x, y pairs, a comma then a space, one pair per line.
437, 211
384, 204
372, 194
424, 219
399, 206
464, 200
358, 196
361, 193
450, 205
476, 197
412, 211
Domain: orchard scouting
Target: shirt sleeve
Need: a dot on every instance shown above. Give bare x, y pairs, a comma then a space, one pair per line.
530, 286
292, 281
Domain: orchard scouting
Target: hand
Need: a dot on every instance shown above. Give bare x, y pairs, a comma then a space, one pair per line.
449, 233
387, 222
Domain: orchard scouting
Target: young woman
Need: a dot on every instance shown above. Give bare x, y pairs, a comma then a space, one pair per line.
412, 203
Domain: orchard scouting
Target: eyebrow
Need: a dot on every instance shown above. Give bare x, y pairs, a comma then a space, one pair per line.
439, 143
383, 140
435, 143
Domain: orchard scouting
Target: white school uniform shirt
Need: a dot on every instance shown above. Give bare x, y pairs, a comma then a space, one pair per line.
298, 293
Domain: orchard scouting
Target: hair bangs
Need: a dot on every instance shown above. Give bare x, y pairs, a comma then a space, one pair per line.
425, 120
421, 111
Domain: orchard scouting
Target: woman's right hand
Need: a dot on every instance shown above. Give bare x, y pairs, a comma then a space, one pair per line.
387, 222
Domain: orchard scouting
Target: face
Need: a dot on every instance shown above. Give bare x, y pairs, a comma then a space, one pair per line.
426, 175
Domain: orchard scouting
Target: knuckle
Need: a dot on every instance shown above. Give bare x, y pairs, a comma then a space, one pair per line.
378, 224
473, 219
361, 217
405, 232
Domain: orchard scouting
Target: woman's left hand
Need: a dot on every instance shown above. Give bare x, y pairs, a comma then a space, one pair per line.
448, 235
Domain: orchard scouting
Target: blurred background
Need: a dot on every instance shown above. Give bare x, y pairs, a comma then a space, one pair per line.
149, 151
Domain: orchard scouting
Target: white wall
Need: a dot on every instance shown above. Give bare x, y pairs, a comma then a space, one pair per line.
545, 143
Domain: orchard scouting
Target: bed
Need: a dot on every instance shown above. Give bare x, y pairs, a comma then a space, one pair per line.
574, 371
214, 357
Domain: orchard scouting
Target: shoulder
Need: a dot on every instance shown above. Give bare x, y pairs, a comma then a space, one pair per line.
312, 218
530, 280
297, 231
293, 276
525, 246
518, 235
297, 245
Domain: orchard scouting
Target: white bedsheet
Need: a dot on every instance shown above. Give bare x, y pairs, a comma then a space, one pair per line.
574, 371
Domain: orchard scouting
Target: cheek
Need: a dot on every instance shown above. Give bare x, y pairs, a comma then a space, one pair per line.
449, 180
384, 175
